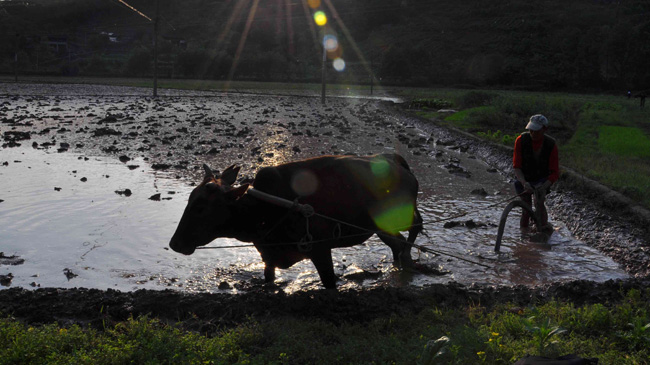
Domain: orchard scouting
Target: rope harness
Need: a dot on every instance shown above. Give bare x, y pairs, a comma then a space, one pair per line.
305, 244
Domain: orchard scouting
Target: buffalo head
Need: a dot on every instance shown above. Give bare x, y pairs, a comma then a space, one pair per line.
209, 212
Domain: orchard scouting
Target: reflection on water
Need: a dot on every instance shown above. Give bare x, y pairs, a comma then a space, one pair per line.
61, 211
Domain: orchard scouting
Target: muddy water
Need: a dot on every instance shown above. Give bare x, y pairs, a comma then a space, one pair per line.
104, 239
74, 233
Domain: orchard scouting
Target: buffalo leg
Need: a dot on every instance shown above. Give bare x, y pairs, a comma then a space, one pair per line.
323, 262
416, 228
400, 247
269, 272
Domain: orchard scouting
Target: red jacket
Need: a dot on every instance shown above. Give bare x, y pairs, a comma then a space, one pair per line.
553, 163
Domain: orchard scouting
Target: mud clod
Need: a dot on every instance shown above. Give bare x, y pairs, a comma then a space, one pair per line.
125, 192
69, 274
10, 260
5, 280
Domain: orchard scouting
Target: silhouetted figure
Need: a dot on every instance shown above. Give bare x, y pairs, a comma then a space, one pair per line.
641, 97
629, 94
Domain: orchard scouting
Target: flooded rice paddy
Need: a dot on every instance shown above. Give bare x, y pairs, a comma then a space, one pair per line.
99, 210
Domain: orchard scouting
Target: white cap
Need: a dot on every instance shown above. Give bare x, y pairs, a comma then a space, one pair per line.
537, 122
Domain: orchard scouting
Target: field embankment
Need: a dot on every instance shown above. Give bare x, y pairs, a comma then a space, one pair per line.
481, 324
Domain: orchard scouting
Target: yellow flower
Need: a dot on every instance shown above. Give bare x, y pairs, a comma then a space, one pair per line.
480, 353
495, 334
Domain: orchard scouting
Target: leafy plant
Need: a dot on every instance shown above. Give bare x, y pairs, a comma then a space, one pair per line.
543, 333
494, 346
498, 137
638, 334
434, 351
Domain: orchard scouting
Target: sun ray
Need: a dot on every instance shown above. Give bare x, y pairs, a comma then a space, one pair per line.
239, 5
347, 35
279, 17
312, 27
242, 42
290, 35
215, 46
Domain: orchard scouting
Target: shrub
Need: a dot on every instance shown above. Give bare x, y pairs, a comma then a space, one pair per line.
96, 66
430, 104
476, 98
139, 62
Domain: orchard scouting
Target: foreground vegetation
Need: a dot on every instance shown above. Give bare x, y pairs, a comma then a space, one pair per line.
614, 333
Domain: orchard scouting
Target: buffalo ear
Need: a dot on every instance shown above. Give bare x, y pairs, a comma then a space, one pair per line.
208, 172
229, 175
236, 193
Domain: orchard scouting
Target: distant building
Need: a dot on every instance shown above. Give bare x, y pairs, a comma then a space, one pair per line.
112, 37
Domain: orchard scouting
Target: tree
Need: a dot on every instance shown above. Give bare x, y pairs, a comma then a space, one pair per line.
138, 63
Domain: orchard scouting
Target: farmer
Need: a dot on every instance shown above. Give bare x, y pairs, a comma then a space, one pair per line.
642, 95
535, 162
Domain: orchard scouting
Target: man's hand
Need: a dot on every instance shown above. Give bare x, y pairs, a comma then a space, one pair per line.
528, 188
544, 187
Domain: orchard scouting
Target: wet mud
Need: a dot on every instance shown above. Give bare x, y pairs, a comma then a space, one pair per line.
208, 313
178, 132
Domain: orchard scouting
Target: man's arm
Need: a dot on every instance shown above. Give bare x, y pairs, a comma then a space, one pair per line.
517, 159
519, 174
553, 165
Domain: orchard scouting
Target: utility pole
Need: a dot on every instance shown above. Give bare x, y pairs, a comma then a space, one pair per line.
323, 74
372, 74
16, 58
155, 50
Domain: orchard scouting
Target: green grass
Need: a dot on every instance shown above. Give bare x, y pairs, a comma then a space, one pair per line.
611, 145
616, 334
623, 141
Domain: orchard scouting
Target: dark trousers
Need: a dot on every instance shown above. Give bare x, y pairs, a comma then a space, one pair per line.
524, 222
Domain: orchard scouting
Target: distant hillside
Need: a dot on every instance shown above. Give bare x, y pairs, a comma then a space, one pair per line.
550, 44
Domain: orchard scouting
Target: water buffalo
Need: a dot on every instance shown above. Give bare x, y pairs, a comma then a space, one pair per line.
354, 198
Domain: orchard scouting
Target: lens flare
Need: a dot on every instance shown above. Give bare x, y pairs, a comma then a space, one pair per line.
339, 64
330, 43
395, 217
320, 18
314, 4
379, 166
304, 183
